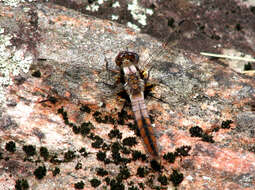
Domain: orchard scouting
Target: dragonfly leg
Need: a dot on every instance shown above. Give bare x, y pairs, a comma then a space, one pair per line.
148, 76
148, 91
108, 69
159, 99
105, 82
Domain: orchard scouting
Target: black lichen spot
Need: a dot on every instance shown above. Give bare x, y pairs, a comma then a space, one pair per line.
64, 115
111, 120
101, 156
69, 156
176, 177
44, 153
115, 133
101, 172
196, 131
78, 166
99, 118
56, 171
247, 66
76, 129
125, 160
116, 185
95, 182
40, 172
125, 150
85, 108
183, 151
107, 180
163, 180
10, 146
138, 155
122, 116
36, 74
142, 172
155, 165
54, 159
107, 161
1, 156
115, 148
85, 128
207, 138
98, 142
226, 124
21, 184
29, 150
108, 119
97, 115
123, 174
105, 146
116, 157
133, 127
79, 185
83, 152
170, 157
91, 136
129, 141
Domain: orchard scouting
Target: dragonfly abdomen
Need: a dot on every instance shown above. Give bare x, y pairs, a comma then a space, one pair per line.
144, 126
148, 136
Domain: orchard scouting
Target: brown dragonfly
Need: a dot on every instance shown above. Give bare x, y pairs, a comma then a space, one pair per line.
134, 83
134, 86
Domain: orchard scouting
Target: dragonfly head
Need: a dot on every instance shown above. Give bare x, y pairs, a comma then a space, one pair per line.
126, 57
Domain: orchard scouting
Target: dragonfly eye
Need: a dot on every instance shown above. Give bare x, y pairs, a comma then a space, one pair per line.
132, 57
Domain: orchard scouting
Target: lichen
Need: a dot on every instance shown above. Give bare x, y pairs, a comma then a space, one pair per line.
12, 61
133, 26
93, 7
40, 172
116, 4
139, 13
115, 17
15, 3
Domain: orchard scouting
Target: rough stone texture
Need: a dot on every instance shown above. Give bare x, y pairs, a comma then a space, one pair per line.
69, 51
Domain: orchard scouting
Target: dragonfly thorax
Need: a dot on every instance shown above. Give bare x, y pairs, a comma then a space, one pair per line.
133, 83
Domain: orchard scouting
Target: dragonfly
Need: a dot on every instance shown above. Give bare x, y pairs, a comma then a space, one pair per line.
134, 85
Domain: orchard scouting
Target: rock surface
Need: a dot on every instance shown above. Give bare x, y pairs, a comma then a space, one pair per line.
203, 115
